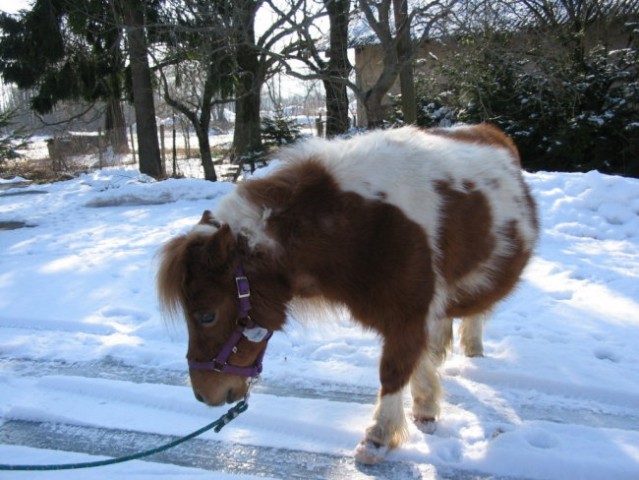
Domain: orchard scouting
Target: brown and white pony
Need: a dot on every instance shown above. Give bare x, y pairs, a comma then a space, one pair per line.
406, 228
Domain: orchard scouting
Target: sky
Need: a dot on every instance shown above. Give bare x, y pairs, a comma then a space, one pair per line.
13, 6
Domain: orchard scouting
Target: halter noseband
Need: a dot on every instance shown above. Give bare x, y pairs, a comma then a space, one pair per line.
249, 329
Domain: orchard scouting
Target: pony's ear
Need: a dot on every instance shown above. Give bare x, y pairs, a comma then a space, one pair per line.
208, 224
219, 248
208, 219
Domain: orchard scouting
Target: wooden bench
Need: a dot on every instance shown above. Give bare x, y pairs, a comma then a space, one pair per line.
228, 172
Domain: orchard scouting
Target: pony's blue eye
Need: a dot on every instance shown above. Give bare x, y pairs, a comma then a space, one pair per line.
205, 318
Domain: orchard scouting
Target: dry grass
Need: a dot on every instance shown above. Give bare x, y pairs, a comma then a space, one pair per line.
37, 170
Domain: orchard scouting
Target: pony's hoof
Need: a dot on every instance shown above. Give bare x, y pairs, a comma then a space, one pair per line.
426, 425
473, 350
370, 453
475, 354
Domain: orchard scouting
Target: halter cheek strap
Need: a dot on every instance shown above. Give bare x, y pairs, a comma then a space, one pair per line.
246, 327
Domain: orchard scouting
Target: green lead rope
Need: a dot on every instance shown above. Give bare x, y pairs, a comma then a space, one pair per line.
217, 425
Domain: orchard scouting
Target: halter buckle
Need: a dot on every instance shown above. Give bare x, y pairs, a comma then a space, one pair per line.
243, 287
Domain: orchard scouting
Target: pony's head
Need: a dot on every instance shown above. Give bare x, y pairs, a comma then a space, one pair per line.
201, 277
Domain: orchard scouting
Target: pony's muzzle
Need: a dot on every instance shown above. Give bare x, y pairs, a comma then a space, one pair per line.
200, 398
216, 388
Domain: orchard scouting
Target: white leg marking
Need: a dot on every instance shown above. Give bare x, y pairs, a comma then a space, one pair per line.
426, 391
387, 431
470, 332
440, 338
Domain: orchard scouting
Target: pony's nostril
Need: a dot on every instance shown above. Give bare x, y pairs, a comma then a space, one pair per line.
198, 396
230, 396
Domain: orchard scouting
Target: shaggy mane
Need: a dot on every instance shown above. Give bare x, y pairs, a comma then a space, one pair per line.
170, 277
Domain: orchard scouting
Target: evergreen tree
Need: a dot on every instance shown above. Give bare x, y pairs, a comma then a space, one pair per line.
74, 51
66, 51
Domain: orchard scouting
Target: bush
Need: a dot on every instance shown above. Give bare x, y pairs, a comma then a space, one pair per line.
562, 115
10, 140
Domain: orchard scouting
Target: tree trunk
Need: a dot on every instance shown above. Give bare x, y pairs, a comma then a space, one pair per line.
115, 127
374, 96
337, 118
374, 109
338, 68
201, 125
202, 129
247, 139
146, 125
205, 154
404, 55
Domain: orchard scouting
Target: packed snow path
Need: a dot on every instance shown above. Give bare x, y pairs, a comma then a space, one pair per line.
88, 369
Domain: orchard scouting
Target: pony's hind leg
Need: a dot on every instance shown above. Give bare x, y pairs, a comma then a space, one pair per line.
426, 392
424, 382
470, 332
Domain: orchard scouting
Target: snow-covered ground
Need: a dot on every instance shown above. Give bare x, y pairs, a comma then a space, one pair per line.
89, 369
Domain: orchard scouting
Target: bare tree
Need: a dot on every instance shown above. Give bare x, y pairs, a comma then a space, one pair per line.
312, 54
258, 56
197, 69
417, 22
399, 37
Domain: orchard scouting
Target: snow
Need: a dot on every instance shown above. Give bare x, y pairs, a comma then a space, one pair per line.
83, 346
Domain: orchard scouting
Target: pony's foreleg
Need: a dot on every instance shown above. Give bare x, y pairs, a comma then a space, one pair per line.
389, 428
387, 431
470, 332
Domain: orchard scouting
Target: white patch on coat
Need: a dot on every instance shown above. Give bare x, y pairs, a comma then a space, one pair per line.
203, 229
245, 218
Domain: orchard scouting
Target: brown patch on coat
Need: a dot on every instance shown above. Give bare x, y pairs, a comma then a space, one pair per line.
365, 254
484, 133
465, 239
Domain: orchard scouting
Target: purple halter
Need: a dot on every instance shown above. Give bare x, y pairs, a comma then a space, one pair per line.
250, 329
